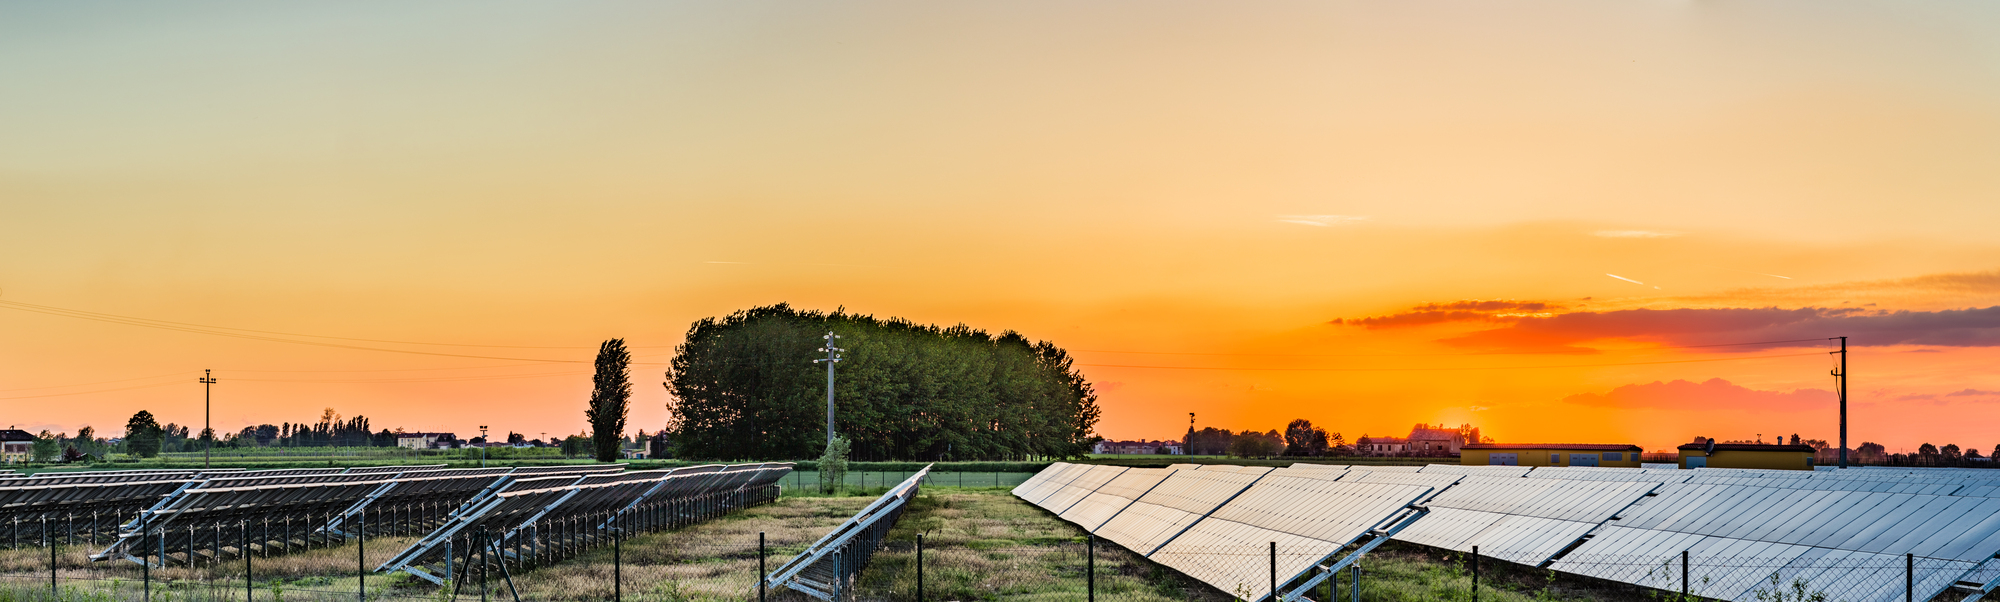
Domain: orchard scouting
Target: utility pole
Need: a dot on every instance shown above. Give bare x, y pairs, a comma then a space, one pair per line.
482, 446
208, 432
832, 357
1840, 386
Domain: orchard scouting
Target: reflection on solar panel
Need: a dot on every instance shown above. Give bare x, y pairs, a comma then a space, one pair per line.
1524, 521
1795, 532
827, 567
533, 521
1217, 523
1843, 532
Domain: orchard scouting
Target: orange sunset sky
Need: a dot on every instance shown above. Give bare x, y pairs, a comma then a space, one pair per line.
1530, 216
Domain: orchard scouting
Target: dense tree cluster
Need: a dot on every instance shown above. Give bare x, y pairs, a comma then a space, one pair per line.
745, 387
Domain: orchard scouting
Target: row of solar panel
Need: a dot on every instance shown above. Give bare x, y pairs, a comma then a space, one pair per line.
1554, 517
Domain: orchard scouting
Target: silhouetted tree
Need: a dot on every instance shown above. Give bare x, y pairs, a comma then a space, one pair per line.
143, 435
611, 392
1927, 450
1304, 439
1949, 451
745, 386
1210, 441
1251, 443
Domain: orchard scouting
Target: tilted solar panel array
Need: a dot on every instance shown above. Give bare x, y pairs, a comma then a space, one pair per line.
74, 510
1107, 501
1524, 521
1798, 533
1214, 522
826, 569
533, 521
274, 512
1309, 519
1838, 531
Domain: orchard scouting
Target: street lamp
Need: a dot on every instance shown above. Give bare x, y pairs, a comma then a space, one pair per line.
482, 446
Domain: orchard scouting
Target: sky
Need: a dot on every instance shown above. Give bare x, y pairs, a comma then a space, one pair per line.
1552, 220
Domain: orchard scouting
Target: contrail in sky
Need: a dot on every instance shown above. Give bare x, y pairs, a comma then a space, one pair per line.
1624, 279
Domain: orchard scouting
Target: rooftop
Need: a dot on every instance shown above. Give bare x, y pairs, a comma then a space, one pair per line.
1749, 447
1562, 446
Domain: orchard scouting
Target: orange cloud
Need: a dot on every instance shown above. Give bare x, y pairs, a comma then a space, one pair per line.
1695, 327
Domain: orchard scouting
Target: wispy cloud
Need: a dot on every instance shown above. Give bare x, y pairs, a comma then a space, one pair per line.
1636, 233
1470, 310
1712, 394
1322, 220
1948, 328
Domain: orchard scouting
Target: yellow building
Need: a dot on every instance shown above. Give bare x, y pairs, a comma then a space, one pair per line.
1550, 454
1747, 455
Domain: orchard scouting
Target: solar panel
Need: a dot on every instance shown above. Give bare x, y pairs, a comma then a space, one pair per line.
1114, 496
1172, 506
538, 520
1080, 487
826, 568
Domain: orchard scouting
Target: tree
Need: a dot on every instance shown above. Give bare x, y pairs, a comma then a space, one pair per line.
833, 465
514, 438
1949, 451
745, 386
1251, 443
1870, 450
1304, 439
71, 454
1972, 454
1795, 439
143, 435
611, 392
1927, 450
575, 445
1210, 441
46, 448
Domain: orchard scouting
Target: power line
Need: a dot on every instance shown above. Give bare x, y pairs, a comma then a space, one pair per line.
103, 382
89, 392
1721, 359
207, 329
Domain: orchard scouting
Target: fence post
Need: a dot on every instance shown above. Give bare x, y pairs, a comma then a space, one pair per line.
920, 569
1909, 577
1475, 573
1274, 572
244, 548
51, 536
1684, 574
760, 565
617, 565
145, 563
361, 555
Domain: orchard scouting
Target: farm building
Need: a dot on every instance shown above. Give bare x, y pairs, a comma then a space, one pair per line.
1747, 455
1623, 455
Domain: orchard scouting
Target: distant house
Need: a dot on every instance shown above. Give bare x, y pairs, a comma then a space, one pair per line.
1427, 440
1382, 446
1140, 447
16, 445
426, 440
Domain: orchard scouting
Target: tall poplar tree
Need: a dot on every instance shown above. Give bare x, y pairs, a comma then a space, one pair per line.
611, 394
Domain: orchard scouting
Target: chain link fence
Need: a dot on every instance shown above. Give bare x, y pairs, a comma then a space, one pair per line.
902, 571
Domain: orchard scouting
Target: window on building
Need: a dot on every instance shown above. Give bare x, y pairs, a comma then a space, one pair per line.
1555, 458
1614, 457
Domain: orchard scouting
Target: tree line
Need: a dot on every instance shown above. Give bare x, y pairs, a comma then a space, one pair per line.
745, 386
